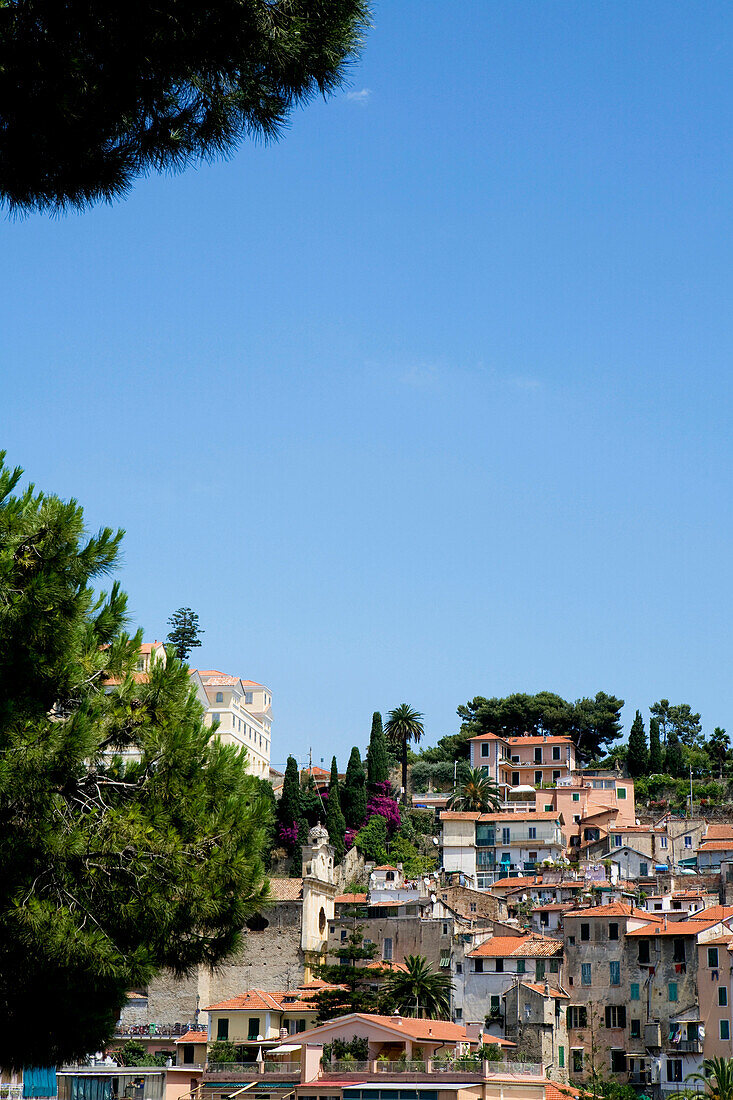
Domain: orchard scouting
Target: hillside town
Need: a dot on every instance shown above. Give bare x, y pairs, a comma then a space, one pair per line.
559, 938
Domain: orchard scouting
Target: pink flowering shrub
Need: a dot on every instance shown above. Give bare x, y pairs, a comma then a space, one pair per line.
386, 808
288, 835
349, 838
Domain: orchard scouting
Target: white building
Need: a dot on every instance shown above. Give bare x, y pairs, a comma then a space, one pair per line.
243, 710
484, 847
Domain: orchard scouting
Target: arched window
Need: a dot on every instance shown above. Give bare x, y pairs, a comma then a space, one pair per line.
220, 696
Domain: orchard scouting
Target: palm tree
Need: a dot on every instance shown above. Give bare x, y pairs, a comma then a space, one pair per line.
419, 991
718, 745
404, 724
717, 1077
478, 793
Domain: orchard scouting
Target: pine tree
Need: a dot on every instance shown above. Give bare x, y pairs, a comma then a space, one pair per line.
356, 981
656, 756
130, 835
184, 635
353, 796
377, 758
335, 823
673, 759
637, 760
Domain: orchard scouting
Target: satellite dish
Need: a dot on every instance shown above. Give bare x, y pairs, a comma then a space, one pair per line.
436, 842
433, 898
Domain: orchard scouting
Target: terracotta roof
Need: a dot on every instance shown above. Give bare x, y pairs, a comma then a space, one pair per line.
554, 1091
559, 740
674, 928
716, 845
719, 832
613, 909
194, 1037
715, 912
560, 994
386, 964
498, 947
425, 1030
350, 899
286, 889
727, 941
521, 880
385, 867
554, 907
535, 815
214, 678
258, 999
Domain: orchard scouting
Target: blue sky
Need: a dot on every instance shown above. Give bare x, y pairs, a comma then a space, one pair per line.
432, 398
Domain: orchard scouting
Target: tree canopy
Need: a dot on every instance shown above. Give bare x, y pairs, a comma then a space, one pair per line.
377, 756
404, 724
113, 866
477, 793
637, 759
185, 632
91, 100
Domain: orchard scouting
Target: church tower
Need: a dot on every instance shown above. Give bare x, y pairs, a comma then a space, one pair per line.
319, 892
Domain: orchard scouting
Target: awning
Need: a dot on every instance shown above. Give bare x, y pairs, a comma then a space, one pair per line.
286, 1048
523, 788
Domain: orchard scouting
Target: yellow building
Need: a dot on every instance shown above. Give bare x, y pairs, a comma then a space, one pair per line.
243, 710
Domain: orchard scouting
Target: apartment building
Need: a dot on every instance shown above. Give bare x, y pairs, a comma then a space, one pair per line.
243, 710
535, 1018
490, 968
524, 761
714, 988
486, 847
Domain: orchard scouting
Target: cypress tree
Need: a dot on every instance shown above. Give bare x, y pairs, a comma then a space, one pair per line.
656, 757
377, 756
673, 759
354, 799
335, 823
289, 810
637, 759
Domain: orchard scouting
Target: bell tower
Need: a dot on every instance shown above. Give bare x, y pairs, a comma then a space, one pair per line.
319, 892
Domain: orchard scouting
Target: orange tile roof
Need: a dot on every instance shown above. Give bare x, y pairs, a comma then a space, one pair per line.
521, 880
559, 740
425, 1030
194, 1037
727, 941
385, 867
674, 928
534, 815
538, 988
716, 845
715, 912
532, 946
719, 832
554, 1091
613, 909
257, 999
350, 899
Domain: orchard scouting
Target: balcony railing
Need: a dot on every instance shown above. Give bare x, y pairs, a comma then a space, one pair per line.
415, 1066
686, 1046
346, 1067
156, 1031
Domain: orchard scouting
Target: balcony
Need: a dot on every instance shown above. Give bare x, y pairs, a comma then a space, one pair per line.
154, 1031
685, 1046
230, 1071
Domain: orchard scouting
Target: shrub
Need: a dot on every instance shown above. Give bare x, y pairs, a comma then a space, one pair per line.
222, 1051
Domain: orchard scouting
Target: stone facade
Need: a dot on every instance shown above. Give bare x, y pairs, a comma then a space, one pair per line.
535, 1019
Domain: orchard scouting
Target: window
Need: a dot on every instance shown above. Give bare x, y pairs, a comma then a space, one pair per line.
219, 697
585, 974
188, 1054
515, 779
561, 1057
478, 966
674, 1070
515, 760
658, 906
722, 996
712, 957
577, 1016
615, 973
577, 1060
635, 1031
521, 966
249, 697
548, 808
506, 835
644, 870
555, 752
485, 749
532, 833
584, 933
499, 966
445, 925
615, 1016
344, 935
576, 796
576, 819
532, 857
459, 1013
216, 717
662, 842
538, 778
643, 952
472, 907
634, 991
222, 1028
539, 969
672, 991
253, 1029
621, 792
387, 947
538, 756
494, 1003
554, 966
688, 840
555, 776
613, 931
678, 950
618, 1061
571, 941
617, 840
725, 1029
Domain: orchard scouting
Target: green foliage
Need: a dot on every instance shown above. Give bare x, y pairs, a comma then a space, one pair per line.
418, 990
377, 758
371, 841
426, 773
637, 759
404, 851
346, 1049
353, 795
490, 1052
136, 1054
312, 811
477, 793
453, 747
289, 808
677, 719
335, 822
718, 747
185, 631
356, 994
113, 867
716, 1078
222, 1051
673, 757
267, 795
591, 723
404, 724
656, 754
89, 104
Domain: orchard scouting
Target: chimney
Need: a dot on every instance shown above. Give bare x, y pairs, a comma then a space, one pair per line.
430, 1031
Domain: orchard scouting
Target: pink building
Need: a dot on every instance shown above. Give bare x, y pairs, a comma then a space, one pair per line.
524, 761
